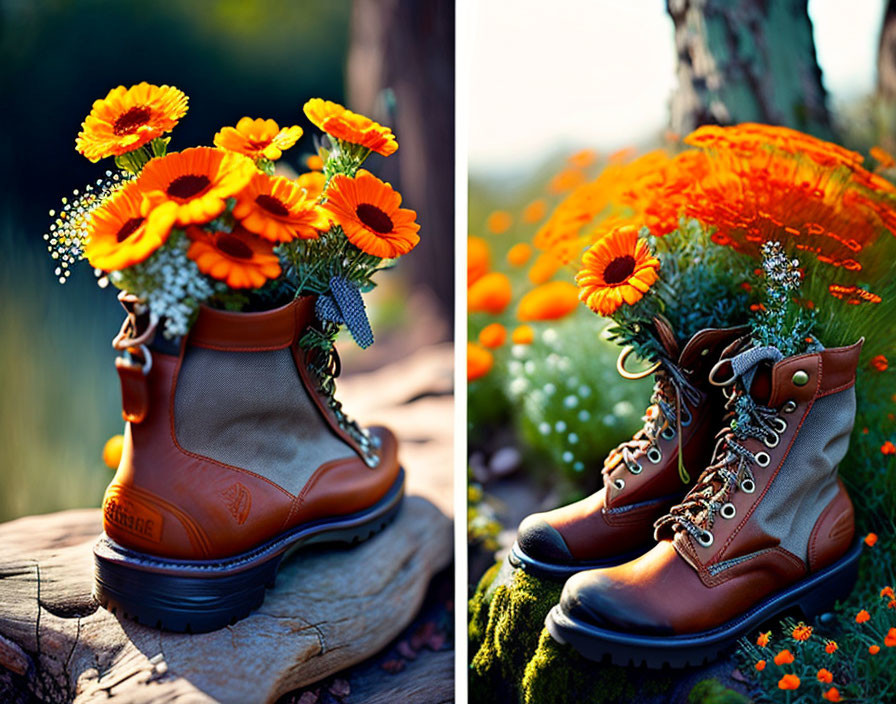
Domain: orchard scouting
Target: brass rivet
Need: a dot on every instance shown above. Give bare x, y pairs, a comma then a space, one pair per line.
800, 378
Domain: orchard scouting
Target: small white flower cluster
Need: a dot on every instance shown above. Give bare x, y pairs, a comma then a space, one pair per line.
780, 271
169, 283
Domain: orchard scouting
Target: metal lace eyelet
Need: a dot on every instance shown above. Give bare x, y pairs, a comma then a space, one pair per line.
789, 407
763, 459
637, 469
748, 486
619, 484
780, 425
705, 539
654, 455
772, 439
728, 511
686, 417
668, 433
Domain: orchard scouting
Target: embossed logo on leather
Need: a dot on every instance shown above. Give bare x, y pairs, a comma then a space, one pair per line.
239, 501
133, 516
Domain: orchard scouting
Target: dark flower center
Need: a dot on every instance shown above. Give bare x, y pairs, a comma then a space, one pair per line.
619, 270
234, 247
131, 120
185, 187
128, 229
272, 205
374, 218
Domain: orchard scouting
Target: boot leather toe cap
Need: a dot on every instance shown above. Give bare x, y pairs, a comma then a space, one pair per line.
541, 541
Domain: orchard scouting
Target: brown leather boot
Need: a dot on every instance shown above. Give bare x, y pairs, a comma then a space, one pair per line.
767, 528
232, 456
642, 477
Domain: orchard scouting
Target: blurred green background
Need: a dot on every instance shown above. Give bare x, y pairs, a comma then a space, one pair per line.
60, 398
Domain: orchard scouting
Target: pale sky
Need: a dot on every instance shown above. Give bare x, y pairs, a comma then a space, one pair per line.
598, 73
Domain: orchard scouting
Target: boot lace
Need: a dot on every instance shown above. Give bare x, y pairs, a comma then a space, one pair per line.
731, 468
665, 417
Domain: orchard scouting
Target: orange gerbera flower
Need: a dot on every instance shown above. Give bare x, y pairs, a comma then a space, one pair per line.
367, 209
550, 301
191, 187
313, 182
351, 127
493, 335
277, 209
802, 632
619, 269
489, 294
238, 258
479, 361
258, 138
128, 118
119, 236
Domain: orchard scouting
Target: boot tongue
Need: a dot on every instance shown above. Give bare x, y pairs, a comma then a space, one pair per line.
754, 368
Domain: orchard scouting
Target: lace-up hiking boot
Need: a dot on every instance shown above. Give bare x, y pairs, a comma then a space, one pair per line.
233, 456
768, 527
644, 476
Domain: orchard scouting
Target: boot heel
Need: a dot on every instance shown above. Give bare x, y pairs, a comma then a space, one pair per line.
834, 584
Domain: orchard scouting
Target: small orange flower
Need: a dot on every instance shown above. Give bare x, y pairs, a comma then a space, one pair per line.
583, 159
830, 646
523, 335
315, 163
883, 157
887, 593
119, 237
238, 258
863, 615
478, 259
369, 213
550, 301
351, 127
789, 682
763, 639
566, 180
277, 209
479, 361
619, 269
313, 183
825, 676
112, 451
499, 222
493, 335
874, 649
785, 657
546, 265
879, 363
535, 211
888, 448
892, 604
871, 540
258, 138
519, 254
802, 632
890, 638
760, 665
191, 187
490, 294
128, 118
832, 695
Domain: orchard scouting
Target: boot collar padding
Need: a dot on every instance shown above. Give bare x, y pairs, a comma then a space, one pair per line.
266, 330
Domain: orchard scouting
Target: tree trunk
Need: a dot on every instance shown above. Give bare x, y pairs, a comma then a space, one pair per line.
401, 71
747, 61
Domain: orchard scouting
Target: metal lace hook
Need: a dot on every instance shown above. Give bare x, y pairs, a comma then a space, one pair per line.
716, 367
634, 376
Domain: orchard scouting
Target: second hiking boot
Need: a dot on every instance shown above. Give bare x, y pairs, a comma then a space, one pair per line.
642, 477
767, 529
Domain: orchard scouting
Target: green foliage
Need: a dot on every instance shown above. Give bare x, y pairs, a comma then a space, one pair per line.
858, 674
700, 286
483, 526
712, 691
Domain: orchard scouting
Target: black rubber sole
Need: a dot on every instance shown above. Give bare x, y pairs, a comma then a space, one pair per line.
812, 596
560, 572
197, 596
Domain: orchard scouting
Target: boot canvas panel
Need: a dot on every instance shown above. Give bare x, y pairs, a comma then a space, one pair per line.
782, 539
249, 410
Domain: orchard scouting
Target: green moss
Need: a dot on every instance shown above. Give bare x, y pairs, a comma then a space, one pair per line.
714, 692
